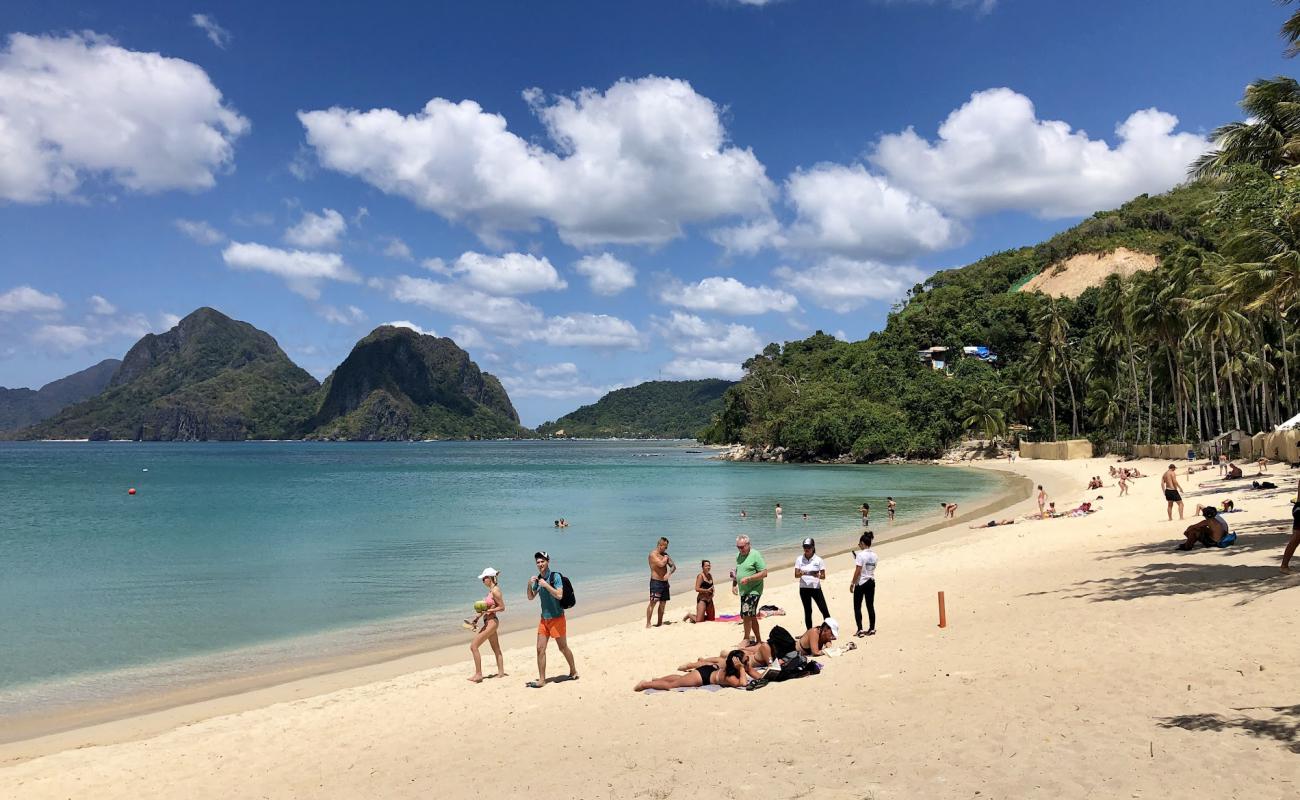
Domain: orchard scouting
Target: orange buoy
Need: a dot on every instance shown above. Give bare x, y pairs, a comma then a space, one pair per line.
131, 490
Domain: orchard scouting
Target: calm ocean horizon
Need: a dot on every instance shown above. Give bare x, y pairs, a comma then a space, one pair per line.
231, 555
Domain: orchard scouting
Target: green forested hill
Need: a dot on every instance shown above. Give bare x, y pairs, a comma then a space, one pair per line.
397, 384
652, 410
210, 377
1179, 352
22, 407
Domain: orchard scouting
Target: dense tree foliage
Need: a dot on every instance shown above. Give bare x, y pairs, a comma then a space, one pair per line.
651, 410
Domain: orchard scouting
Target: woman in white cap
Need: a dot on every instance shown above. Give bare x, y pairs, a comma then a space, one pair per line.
487, 609
810, 571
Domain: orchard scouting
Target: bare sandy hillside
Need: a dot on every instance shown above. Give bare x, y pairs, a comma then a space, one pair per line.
1069, 278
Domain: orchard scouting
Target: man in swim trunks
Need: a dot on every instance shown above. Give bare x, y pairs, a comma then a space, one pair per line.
548, 587
891, 508
751, 569
1169, 482
661, 569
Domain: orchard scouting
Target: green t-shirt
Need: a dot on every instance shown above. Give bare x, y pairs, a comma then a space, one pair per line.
751, 564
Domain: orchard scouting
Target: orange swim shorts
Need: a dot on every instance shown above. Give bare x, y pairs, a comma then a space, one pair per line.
555, 628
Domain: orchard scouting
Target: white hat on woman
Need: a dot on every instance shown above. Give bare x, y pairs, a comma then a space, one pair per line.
488, 573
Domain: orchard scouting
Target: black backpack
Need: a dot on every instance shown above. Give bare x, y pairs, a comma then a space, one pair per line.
567, 600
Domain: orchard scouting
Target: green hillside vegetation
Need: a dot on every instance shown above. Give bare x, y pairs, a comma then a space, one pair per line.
398, 385
210, 377
1204, 343
652, 410
22, 407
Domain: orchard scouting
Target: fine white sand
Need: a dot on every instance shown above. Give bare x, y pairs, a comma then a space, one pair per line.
1083, 658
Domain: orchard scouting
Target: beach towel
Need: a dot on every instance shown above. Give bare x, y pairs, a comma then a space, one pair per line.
709, 688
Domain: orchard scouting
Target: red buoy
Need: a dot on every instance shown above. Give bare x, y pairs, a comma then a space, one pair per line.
131, 490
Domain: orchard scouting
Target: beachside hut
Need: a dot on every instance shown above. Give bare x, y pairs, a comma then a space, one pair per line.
1234, 444
1273, 443
1258, 442
1291, 448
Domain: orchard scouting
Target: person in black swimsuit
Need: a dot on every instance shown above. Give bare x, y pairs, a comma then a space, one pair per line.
735, 673
704, 611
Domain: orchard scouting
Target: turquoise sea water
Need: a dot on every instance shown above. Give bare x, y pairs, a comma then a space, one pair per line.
233, 553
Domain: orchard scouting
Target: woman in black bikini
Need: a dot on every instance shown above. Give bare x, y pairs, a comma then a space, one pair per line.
735, 673
703, 595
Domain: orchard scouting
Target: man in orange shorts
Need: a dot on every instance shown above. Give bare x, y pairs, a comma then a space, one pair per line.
548, 587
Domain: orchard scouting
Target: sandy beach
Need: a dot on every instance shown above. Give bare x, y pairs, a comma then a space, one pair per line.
1083, 657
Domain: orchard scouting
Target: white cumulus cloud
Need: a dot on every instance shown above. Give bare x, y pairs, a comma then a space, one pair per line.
79, 106
502, 313
25, 300
553, 381
844, 284
993, 153
101, 306
301, 270
348, 315
606, 274
317, 231
199, 231
588, 330
689, 335
509, 274
632, 164
848, 211
398, 249
727, 296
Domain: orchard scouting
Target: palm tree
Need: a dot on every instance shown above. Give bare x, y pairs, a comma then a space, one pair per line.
985, 412
1052, 330
1291, 33
1269, 137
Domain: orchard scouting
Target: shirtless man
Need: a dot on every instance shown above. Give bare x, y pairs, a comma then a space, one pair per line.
1209, 531
891, 508
1169, 482
661, 569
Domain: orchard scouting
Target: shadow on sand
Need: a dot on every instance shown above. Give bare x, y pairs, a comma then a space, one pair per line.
1253, 537
1282, 726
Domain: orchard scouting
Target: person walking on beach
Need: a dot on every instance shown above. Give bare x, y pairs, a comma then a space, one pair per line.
810, 571
1295, 534
890, 508
703, 595
493, 605
863, 584
1169, 482
751, 569
661, 569
1123, 484
548, 587
1042, 500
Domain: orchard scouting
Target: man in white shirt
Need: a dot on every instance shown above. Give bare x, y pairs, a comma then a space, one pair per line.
810, 570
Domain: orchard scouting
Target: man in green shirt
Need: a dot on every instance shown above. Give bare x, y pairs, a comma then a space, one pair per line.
751, 569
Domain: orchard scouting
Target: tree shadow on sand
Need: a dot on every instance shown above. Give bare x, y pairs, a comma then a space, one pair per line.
1252, 537
1283, 726
1193, 575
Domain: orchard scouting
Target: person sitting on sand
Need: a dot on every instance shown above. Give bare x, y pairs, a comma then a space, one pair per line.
814, 640
735, 674
1234, 471
993, 523
949, 510
493, 605
1083, 510
1209, 531
704, 611
1113, 472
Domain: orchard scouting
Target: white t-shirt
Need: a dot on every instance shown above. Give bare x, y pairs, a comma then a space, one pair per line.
815, 565
866, 559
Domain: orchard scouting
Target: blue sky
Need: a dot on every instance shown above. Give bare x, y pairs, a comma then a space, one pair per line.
583, 194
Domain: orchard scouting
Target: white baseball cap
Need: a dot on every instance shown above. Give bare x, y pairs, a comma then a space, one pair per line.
834, 626
488, 573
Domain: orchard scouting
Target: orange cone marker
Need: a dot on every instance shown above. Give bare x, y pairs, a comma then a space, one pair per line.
943, 612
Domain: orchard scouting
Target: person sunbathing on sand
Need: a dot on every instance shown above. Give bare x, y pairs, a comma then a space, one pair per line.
735, 673
993, 523
1226, 507
760, 655
815, 639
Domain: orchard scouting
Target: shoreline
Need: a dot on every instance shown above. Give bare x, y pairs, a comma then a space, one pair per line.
138, 715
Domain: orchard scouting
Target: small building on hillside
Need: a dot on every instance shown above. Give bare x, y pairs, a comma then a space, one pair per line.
937, 356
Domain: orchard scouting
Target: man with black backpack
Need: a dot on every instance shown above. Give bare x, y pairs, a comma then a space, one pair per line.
555, 594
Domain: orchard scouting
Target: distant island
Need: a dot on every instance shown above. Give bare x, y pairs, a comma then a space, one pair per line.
651, 410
